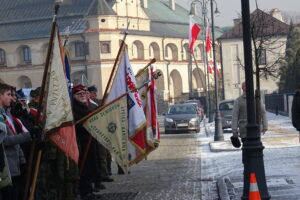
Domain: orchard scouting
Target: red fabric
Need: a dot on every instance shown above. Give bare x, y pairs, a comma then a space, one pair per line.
195, 30
208, 40
78, 88
65, 139
155, 126
139, 140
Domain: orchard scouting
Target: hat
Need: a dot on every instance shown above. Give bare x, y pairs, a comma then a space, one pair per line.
78, 88
36, 92
235, 141
92, 89
20, 94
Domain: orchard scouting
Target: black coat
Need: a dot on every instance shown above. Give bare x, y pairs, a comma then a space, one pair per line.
91, 167
296, 111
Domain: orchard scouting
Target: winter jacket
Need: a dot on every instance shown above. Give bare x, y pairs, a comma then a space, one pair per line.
239, 116
14, 153
296, 111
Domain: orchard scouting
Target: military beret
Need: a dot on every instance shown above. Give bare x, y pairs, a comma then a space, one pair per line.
78, 88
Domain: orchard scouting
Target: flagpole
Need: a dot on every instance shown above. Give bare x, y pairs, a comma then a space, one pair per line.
145, 68
116, 99
37, 118
198, 70
86, 151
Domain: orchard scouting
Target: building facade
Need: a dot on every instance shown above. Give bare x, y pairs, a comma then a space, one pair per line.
157, 29
269, 35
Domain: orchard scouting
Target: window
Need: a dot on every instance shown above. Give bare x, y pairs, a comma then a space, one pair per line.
26, 54
2, 57
262, 56
105, 46
79, 49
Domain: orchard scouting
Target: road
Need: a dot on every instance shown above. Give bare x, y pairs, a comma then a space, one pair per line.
172, 172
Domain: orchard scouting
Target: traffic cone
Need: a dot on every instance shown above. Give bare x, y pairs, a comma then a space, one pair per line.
253, 192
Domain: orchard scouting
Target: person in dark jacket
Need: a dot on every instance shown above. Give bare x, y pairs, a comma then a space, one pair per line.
90, 171
296, 109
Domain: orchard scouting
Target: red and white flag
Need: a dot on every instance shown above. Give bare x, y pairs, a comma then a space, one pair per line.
208, 40
58, 112
193, 33
125, 81
211, 68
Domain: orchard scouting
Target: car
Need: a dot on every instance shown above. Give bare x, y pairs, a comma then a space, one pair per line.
199, 106
182, 118
226, 108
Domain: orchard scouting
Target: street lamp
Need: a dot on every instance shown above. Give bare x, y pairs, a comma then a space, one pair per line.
252, 146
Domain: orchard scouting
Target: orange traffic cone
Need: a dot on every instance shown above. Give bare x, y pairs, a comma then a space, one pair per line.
253, 192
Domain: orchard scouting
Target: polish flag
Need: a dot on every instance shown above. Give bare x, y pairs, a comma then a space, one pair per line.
211, 68
208, 40
193, 33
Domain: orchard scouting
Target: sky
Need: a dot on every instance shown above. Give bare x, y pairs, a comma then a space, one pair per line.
231, 9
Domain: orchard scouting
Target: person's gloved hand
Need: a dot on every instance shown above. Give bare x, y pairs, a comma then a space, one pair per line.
36, 132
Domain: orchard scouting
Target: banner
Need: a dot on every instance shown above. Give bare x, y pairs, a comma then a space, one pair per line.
58, 114
125, 81
110, 128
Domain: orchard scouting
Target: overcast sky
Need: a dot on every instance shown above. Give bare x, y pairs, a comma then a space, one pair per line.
231, 8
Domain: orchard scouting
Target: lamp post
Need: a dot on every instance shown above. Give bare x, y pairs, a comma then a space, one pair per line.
252, 146
218, 120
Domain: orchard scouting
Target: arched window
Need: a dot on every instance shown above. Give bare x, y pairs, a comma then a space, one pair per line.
26, 54
24, 82
2, 57
171, 52
138, 50
186, 51
154, 51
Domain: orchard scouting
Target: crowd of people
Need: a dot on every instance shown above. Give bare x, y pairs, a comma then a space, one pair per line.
59, 178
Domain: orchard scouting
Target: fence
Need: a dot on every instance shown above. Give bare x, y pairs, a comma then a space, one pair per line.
279, 103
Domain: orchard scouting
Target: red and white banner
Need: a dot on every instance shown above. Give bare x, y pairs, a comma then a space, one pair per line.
125, 81
58, 112
211, 68
193, 33
208, 40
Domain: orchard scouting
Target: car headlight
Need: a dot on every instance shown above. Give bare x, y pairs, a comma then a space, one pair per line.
169, 120
194, 119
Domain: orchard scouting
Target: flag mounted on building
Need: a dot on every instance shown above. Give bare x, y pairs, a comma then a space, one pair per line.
125, 81
194, 31
58, 116
208, 40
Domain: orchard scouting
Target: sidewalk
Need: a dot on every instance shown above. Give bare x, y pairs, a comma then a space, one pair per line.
281, 158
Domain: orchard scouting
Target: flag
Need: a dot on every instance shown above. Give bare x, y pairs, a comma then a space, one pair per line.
193, 33
153, 107
110, 127
211, 68
125, 81
208, 40
58, 112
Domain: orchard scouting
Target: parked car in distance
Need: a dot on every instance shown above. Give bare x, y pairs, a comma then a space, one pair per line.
226, 108
182, 118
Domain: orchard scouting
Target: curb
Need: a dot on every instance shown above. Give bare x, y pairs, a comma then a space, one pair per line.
226, 189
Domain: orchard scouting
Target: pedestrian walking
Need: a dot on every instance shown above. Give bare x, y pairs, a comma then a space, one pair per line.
239, 116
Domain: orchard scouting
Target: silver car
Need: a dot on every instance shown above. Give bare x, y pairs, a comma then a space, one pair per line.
226, 108
182, 118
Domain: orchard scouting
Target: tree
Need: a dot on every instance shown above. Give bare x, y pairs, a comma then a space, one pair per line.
289, 69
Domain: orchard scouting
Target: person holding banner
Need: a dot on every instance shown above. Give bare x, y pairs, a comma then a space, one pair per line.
81, 108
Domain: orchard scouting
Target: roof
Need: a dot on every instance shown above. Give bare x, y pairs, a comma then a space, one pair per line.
31, 19
271, 26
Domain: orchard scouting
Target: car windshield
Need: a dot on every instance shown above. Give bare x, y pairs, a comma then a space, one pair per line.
226, 106
175, 110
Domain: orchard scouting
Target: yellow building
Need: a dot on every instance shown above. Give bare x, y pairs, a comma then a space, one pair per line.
157, 29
